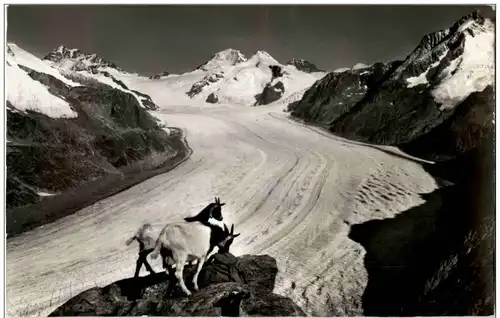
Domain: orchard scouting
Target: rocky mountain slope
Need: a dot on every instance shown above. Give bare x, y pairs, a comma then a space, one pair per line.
401, 102
84, 68
73, 139
303, 65
229, 286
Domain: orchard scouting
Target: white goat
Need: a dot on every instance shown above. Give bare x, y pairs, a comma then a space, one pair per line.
190, 240
184, 241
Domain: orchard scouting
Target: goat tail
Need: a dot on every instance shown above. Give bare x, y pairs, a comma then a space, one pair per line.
154, 254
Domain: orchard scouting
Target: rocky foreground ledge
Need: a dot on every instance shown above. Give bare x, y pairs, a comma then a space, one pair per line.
229, 286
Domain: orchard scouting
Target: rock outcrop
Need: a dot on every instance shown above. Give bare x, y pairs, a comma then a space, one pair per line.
212, 98
303, 65
229, 286
206, 81
158, 76
272, 92
276, 71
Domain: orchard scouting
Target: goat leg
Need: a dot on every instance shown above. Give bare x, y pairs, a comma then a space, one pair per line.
148, 267
138, 266
180, 262
199, 266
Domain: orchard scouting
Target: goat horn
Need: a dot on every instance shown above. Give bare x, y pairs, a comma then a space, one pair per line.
232, 228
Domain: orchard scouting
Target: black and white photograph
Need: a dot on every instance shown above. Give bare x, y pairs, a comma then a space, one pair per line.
249, 159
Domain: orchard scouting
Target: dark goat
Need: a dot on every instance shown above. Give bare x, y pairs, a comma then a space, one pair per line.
213, 210
226, 239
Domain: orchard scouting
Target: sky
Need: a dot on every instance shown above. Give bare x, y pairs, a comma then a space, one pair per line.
178, 38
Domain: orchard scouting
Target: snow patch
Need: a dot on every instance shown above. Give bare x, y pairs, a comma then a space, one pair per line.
45, 194
359, 66
421, 79
24, 93
471, 72
340, 70
465, 25
24, 58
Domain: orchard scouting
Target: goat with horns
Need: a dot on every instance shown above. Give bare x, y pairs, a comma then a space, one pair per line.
192, 240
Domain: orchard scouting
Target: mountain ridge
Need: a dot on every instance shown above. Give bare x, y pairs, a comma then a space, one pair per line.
406, 99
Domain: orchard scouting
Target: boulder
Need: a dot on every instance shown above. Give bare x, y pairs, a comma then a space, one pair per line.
212, 98
272, 92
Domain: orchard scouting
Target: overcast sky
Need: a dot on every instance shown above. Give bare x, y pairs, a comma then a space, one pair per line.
150, 39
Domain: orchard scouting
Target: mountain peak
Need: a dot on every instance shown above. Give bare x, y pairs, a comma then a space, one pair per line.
262, 57
224, 58
263, 54
436, 50
229, 54
74, 59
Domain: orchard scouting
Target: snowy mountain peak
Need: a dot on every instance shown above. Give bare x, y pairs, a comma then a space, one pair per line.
472, 24
262, 57
467, 45
76, 60
223, 59
232, 55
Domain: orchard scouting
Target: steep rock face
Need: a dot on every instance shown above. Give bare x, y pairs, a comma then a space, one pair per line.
412, 97
303, 65
110, 134
229, 286
337, 92
206, 81
471, 126
272, 92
